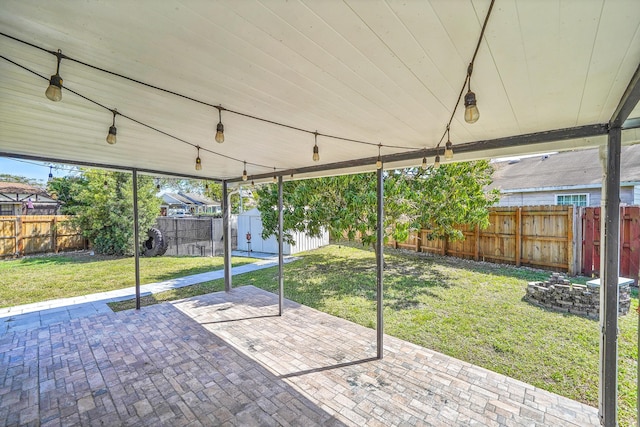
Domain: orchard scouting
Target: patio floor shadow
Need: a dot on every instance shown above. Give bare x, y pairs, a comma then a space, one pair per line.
228, 359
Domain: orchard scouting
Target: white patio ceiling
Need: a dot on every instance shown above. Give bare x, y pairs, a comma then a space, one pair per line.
386, 72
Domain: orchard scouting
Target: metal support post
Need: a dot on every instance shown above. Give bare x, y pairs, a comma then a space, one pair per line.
380, 262
136, 236
226, 235
610, 262
280, 248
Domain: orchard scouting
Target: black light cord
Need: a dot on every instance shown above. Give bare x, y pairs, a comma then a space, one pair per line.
199, 101
133, 119
467, 79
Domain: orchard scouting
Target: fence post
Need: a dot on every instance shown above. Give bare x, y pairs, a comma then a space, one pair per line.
570, 263
54, 234
476, 254
176, 227
213, 246
19, 241
518, 236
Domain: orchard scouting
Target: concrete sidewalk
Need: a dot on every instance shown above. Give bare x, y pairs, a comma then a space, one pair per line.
46, 312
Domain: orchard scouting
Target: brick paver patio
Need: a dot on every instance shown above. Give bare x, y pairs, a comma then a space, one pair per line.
227, 359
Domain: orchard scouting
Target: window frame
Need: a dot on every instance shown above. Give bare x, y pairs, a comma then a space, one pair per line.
564, 195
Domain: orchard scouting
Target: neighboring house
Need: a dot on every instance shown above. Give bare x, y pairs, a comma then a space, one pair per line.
181, 204
566, 178
23, 199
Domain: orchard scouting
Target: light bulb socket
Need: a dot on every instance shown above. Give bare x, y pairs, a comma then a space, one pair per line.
111, 136
470, 99
54, 91
220, 133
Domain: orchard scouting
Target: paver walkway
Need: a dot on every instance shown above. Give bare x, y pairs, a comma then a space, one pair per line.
228, 359
45, 312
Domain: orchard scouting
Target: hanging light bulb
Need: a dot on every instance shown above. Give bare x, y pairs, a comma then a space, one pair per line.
244, 172
471, 113
206, 185
111, 136
54, 91
275, 178
436, 163
316, 153
50, 172
253, 184
220, 128
424, 162
448, 148
105, 185
379, 161
198, 161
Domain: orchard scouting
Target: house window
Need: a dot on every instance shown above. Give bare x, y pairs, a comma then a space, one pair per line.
572, 199
6, 210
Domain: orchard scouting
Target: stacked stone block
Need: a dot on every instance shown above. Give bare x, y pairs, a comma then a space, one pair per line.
558, 293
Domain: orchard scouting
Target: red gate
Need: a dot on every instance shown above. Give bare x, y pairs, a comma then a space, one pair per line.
629, 242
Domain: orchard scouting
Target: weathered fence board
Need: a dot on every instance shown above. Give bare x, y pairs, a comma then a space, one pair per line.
32, 234
540, 236
629, 242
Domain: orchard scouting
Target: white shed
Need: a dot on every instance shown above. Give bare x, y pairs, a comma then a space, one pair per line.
251, 222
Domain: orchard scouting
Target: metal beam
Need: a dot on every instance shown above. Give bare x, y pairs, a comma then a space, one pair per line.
469, 147
628, 102
226, 235
280, 248
380, 262
136, 236
610, 264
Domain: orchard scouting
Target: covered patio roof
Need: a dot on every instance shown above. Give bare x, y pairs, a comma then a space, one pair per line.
386, 72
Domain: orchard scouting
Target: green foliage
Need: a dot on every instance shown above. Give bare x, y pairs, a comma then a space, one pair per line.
65, 189
5, 177
437, 199
104, 210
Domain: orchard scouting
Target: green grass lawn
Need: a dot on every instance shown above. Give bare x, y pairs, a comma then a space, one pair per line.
468, 310
36, 279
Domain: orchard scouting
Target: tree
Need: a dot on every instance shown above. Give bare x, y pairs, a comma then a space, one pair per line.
437, 199
65, 190
5, 177
104, 209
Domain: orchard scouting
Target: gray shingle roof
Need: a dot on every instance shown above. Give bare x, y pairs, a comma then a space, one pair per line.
569, 168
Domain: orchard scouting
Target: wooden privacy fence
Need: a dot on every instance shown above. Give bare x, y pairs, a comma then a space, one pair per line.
32, 234
629, 241
538, 236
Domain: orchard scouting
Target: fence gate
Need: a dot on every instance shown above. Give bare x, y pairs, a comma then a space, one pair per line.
629, 241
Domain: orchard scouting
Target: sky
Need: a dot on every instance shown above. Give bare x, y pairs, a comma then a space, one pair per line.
30, 169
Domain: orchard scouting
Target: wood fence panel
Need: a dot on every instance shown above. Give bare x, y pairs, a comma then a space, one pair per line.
37, 234
498, 240
436, 246
545, 232
32, 234
68, 237
464, 248
8, 241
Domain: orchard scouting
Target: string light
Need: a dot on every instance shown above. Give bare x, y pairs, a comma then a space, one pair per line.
448, 148
220, 128
424, 162
471, 113
54, 91
316, 153
105, 184
244, 172
275, 178
198, 161
253, 184
379, 161
50, 172
436, 163
111, 136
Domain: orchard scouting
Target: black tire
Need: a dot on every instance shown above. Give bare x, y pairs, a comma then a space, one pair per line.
155, 244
